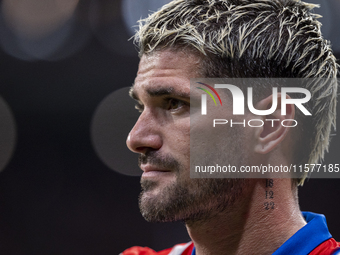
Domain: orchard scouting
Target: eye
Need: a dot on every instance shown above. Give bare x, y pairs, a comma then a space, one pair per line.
175, 104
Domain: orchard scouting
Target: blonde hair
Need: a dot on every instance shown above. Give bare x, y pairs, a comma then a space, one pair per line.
254, 38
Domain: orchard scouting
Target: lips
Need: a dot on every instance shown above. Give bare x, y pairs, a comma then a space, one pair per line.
150, 171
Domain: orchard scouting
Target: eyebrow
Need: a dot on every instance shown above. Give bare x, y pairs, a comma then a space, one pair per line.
163, 91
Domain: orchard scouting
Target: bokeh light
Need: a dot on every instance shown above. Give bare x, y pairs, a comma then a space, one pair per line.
36, 18
7, 134
111, 124
46, 30
135, 10
105, 20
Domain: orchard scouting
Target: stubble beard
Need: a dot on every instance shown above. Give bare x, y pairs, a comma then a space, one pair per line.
194, 200
188, 200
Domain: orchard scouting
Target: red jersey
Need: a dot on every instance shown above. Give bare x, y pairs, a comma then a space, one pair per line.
313, 239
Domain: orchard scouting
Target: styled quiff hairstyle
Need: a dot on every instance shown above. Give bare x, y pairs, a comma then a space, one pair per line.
254, 38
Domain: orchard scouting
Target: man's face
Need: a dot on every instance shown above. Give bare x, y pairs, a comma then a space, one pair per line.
162, 137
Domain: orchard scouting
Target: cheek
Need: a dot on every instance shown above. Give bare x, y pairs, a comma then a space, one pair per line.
179, 131
178, 137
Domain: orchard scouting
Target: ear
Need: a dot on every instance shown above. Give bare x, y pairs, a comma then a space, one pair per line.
273, 132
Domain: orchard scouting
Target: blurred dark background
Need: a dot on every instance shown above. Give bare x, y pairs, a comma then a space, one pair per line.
59, 59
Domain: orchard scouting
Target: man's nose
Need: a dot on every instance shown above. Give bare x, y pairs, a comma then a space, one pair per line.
145, 135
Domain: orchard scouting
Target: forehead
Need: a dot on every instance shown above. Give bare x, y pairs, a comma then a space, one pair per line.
166, 68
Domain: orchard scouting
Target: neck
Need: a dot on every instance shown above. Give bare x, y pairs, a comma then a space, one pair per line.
259, 224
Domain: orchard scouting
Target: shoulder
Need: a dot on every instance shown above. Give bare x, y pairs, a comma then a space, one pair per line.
179, 249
